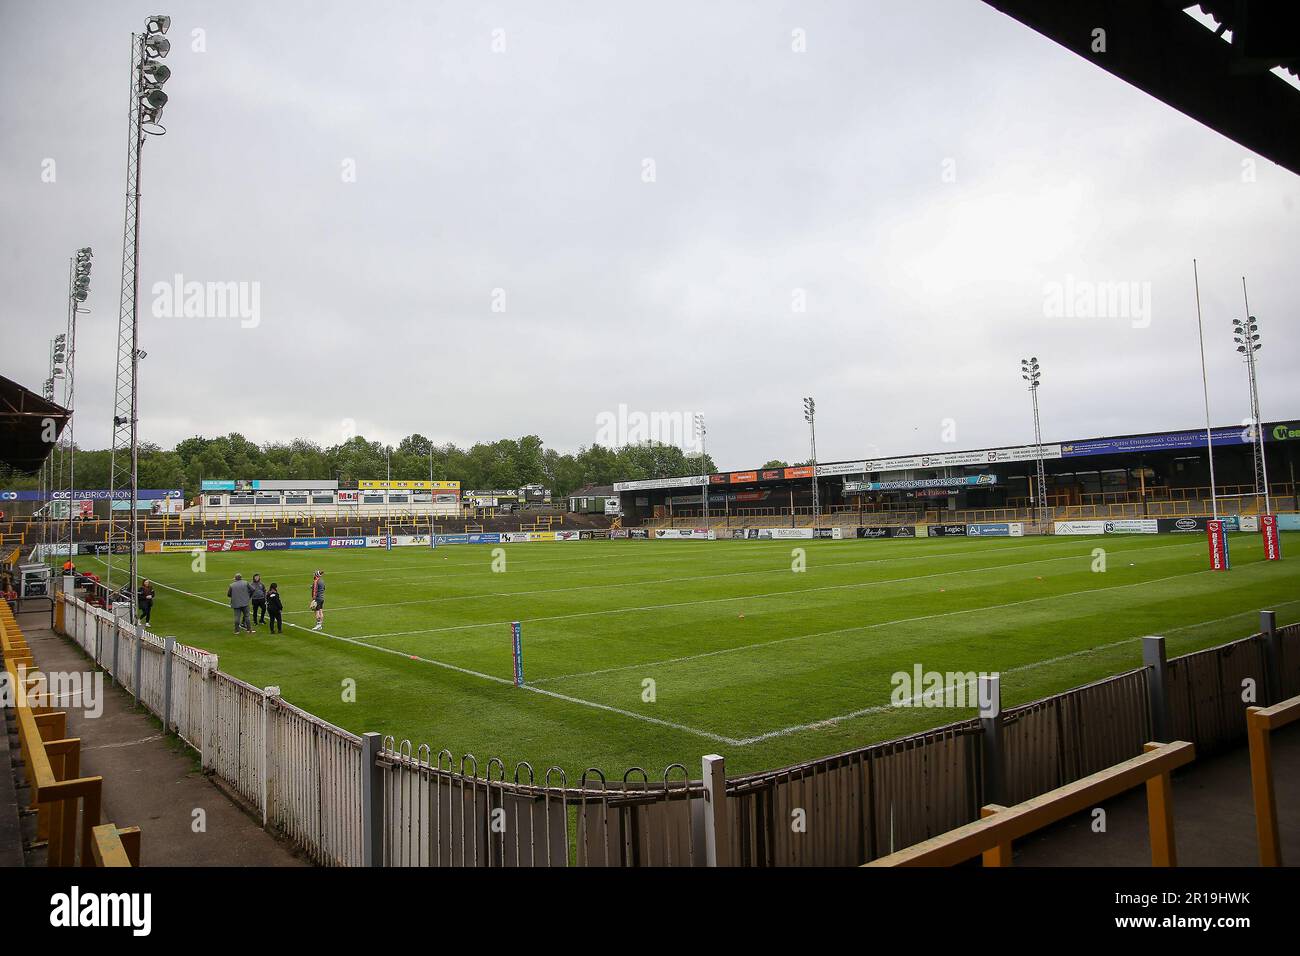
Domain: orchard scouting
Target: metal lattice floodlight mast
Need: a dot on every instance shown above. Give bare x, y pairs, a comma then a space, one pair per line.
1246, 335
145, 110
810, 416
700, 434
78, 291
1032, 373
49, 465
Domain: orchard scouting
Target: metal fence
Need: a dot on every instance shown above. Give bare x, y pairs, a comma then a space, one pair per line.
351, 801
302, 774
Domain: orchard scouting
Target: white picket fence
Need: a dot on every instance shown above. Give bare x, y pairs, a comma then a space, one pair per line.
301, 773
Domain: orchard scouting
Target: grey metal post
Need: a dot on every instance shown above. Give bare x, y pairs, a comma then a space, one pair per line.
139, 653
372, 801
268, 752
1153, 657
116, 645
169, 645
1272, 656
990, 704
208, 751
717, 836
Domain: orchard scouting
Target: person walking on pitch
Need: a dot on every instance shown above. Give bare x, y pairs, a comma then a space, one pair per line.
257, 591
275, 608
318, 599
240, 597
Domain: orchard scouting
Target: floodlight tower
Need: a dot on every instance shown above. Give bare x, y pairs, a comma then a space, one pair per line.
810, 416
700, 434
47, 467
1246, 335
1032, 373
146, 104
78, 291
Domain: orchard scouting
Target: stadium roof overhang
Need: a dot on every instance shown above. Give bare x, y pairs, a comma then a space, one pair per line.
1160, 49
29, 426
1090, 454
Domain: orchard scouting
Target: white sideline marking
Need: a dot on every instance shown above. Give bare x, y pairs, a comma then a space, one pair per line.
859, 627
784, 731
708, 735
881, 708
764, 594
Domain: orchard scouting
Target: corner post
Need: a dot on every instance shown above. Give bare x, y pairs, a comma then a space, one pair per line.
372, 801
1153, 657
990, 705
717, 836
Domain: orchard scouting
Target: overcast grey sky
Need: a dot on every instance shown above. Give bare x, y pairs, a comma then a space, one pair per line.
921, 174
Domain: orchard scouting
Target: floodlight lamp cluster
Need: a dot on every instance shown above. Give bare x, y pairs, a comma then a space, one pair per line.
151, 75
1031, 371
809, 410
81, 274
700, 430
1246, 335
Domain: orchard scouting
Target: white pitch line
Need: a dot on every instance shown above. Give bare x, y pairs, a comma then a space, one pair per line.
859, 627
708, 735
755, 546
881, 708
698, 577
752, 597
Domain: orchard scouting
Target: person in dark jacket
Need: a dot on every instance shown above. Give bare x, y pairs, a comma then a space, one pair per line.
275, 608
144, 600
257, 591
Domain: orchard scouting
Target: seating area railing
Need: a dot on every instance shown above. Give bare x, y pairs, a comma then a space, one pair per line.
51, 763
1260, 724
991, 836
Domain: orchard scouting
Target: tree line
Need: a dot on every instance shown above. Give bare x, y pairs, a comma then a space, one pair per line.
507, 463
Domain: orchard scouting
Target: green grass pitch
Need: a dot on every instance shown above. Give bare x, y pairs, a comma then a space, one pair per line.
749, 658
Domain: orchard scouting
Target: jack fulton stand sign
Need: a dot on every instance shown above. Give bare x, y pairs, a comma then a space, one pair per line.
1272, 543
1218, 545
516, 630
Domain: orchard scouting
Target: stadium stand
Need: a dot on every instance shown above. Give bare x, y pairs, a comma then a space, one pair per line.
66, 804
